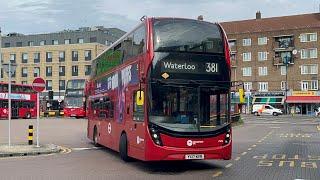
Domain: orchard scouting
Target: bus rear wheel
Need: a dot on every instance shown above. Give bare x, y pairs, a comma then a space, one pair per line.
123, 148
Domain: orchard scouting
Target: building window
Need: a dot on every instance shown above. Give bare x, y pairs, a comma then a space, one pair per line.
232, 43
24, 58
283, 85
67, 41
262, 40
24, 82
6, 44
309, 53
24, 72
263, 86
87, 55
309, 69
48, 85
49, 71
19, 44
55, 42
42, 43
49, 57
93, 39
283, 70
36, 57
247, 86
246, 71
262, 56
74, 70
246, 42
263, 71
74, 55
80, 40
62, 85
13, 58
308, 37
233, 56
309, 85
62, 70
30, 43
246, 56
61, 56
36, 72
87, 70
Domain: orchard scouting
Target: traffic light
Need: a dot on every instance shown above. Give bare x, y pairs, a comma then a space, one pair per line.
50, 94
241, 96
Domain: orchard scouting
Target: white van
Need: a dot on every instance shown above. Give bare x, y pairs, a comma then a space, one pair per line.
265, 109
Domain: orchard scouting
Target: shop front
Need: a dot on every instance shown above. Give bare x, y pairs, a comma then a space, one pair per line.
303, 102
275, 99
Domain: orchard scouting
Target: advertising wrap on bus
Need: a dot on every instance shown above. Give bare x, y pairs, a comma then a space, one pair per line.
15, 96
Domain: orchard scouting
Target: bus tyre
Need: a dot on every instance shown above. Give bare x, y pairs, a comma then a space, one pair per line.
28, 115
123, 148
95, 137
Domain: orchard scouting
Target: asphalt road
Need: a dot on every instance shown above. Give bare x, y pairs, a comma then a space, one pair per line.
265, 147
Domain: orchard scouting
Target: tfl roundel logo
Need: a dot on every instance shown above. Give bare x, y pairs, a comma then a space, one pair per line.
189, 142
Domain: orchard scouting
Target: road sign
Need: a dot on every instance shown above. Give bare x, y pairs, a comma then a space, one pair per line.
38, 84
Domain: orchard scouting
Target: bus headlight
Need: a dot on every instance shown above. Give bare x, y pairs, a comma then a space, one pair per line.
155, 136
227, 137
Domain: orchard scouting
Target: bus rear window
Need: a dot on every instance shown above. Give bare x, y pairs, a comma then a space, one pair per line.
182, 35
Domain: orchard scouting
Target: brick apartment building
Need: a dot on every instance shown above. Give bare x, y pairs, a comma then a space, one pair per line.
277, 60
56, 57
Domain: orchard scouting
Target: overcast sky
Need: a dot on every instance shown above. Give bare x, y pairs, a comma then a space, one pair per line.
44, 16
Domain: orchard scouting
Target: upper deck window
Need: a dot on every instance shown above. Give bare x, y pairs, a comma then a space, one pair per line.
182, 35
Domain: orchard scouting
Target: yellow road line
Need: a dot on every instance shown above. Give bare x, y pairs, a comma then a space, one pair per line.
249, 149
318, 127
228, 165
237, 159
244, 153
217, 174
254, 145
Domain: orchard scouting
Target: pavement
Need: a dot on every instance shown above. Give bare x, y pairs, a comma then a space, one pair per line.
27, 150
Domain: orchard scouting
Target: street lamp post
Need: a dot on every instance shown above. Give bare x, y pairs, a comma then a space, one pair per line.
286, 61
10, 68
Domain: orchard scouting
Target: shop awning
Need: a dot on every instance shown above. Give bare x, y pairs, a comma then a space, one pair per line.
268, 100
303, 99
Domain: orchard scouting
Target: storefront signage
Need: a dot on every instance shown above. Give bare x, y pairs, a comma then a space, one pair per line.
261, 94
304, 93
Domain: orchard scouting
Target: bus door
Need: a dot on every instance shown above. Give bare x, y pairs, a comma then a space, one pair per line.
135, 119
15, 108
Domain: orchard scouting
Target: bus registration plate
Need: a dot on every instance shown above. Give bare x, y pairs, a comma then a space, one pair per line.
194, 156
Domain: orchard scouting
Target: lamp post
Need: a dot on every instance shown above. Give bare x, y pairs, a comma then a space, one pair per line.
10, 69
286, 61
0, 55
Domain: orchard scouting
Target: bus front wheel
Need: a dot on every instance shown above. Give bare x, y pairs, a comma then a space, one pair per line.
123, 148
95, 137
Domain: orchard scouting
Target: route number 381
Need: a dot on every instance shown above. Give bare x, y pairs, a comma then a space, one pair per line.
212, 67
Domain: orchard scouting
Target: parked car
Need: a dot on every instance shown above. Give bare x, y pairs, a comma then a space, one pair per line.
265, 109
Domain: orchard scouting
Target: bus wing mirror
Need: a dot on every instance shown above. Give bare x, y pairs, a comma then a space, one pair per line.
140, 98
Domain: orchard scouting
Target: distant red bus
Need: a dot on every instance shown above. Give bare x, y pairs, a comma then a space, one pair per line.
23, 101
162, 92
74, 100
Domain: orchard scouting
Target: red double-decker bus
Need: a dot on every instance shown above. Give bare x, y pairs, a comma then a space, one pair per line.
23, 101
162, 92
74, 99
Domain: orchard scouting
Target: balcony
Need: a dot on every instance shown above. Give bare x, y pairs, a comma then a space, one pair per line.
283, 43
282, 58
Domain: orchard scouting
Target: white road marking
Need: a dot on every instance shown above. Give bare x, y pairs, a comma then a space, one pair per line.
244, 153
85, 148
229, 165
237, 159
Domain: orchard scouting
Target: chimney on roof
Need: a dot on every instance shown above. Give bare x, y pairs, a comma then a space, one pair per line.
200, 18
258, 15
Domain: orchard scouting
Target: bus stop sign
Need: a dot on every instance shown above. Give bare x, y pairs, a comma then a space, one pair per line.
38, 84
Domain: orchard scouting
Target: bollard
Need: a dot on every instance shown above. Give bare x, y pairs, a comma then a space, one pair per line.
30, 136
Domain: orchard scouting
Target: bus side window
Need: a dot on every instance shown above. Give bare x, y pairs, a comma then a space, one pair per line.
138, 111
